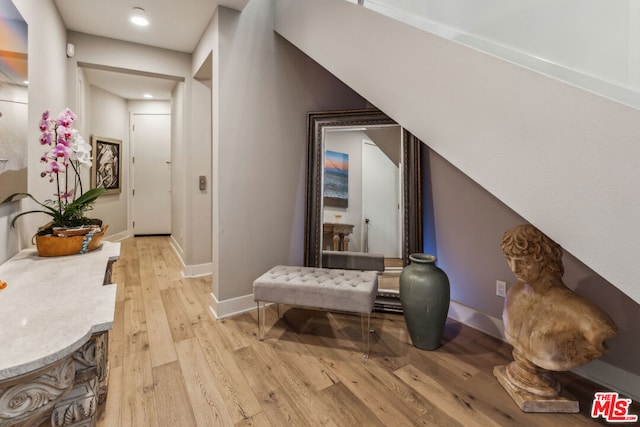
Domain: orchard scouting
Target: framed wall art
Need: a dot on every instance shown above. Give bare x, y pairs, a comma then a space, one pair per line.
336, 179
107, 164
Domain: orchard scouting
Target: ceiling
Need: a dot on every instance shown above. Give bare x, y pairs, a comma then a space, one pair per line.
175, 25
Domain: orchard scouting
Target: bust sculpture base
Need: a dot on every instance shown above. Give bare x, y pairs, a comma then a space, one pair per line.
529, 402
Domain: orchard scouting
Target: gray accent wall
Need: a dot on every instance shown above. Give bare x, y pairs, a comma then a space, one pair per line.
468, 225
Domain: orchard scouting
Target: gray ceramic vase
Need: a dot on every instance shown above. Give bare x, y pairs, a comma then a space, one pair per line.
424, 294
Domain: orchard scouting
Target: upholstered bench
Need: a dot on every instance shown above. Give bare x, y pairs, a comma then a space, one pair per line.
324, 288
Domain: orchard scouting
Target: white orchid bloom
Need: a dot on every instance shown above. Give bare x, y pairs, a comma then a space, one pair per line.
80, 150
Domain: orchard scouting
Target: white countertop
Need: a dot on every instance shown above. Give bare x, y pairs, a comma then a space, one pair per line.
51, 306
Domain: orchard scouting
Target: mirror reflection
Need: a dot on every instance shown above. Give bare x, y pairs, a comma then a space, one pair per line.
13, 101
361, 191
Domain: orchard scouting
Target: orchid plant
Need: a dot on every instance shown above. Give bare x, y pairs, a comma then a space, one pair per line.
66, 152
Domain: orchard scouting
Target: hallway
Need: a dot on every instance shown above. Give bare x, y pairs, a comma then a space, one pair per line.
172, 364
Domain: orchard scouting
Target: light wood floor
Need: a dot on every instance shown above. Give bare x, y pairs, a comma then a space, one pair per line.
172, 364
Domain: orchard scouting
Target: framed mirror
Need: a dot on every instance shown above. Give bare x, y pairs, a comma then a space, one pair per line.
364, 192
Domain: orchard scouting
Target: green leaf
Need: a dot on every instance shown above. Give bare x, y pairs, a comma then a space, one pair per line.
13, 221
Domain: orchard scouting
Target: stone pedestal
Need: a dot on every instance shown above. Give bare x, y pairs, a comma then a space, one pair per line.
529, 402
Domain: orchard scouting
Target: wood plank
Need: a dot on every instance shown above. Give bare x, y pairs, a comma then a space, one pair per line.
352, 411
234, 388
160, 339
257, 420
201, 386
281, 404
312, 370
117, 337
179, 322
172, 400
135, 324
440, 396
110, 412
138, 405
190, 300
158, 330
391, 400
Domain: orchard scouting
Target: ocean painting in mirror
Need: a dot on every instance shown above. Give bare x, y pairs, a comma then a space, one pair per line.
336, 179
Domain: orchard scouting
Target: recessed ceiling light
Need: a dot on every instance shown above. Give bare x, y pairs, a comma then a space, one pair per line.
148, 95
139, 17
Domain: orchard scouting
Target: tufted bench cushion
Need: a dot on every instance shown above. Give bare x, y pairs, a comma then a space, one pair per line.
332, 289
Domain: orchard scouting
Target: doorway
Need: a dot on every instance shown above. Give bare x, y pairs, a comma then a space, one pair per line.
380, 202
151, 165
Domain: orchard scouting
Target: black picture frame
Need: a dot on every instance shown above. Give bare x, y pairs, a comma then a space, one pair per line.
106, 171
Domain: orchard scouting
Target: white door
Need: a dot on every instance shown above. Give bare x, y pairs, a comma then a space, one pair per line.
380, 202
151, 174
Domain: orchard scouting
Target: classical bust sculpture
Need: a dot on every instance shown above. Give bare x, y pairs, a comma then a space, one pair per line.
550, 327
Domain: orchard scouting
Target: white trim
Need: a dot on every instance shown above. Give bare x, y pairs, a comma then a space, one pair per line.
612, 377
177, 249
626, 383
190, 270
198, 270
477, 320
230, 307
179, 253
118, 236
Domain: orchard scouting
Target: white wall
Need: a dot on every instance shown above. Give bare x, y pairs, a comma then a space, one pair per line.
564, 159
262, 91
199, 201
110, 119
178, 169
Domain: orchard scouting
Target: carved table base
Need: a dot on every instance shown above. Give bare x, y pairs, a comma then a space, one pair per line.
66, 393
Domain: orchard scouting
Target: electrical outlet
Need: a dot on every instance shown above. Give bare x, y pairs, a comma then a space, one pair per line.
501, 288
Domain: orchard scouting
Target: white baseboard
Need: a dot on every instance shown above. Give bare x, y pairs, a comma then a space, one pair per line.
198, 270
117, 237
177, 249
625, 383
232, 306
477, 320
190, 270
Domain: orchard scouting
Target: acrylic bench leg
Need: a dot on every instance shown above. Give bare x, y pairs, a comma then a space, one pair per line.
261, 316
280, 310
366, 332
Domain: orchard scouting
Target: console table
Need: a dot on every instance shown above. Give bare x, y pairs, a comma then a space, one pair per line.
55, 314
338, 234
